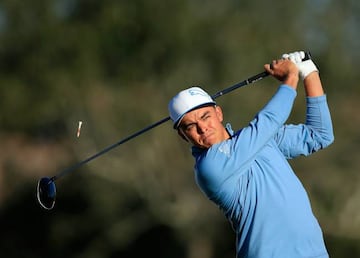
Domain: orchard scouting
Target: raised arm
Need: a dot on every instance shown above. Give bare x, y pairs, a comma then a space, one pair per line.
317, 132
312, 85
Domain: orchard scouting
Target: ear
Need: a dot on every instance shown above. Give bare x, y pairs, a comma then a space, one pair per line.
219, 113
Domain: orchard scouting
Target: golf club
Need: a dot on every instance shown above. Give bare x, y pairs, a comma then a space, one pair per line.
46, 189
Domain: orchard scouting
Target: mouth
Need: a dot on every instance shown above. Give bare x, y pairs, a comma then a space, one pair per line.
207, 138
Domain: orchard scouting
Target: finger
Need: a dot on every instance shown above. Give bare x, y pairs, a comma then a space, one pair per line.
297, 57
292, 57
302, 55
285, 56
272, 64
268, 68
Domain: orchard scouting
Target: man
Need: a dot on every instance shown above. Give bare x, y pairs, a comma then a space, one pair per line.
246, 172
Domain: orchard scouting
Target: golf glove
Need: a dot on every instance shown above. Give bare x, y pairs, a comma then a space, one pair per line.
305, 67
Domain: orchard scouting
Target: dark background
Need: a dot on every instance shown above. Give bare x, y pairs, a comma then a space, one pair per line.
114, 65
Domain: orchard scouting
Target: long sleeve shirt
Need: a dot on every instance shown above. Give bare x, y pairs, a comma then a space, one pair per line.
249, 178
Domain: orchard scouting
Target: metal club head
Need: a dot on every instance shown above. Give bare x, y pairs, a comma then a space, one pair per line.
46, 192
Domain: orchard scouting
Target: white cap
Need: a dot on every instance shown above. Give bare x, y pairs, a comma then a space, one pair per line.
186, 101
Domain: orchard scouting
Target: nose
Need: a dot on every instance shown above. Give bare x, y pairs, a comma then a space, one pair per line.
201, 127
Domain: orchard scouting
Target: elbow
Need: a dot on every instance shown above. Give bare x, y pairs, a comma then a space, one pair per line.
332, 139
328, 140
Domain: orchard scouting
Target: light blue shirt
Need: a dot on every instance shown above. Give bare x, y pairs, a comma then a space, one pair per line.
249, 178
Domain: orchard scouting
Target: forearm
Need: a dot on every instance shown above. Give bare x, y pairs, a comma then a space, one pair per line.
319, 119
313, 86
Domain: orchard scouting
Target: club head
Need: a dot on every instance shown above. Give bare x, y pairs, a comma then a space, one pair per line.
46, 193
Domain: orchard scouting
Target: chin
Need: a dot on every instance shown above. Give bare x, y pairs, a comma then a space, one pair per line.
208, 144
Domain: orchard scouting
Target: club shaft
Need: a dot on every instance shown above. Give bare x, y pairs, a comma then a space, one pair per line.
248, 81
107, 149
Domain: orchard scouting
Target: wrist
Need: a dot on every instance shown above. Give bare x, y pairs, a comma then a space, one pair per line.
313, 86
292, 80
306, 68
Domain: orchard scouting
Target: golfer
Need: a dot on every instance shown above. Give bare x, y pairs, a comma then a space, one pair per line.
246, 172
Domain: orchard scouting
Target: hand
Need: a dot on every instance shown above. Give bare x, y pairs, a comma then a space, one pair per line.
285, 71
305, 67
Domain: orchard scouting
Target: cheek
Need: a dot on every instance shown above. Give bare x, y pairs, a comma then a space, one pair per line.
193, 137
215, 124
188, 136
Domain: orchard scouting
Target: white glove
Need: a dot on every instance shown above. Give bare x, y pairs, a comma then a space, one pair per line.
305, 67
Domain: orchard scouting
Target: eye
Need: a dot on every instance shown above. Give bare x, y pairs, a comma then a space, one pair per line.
206, 116
189, 127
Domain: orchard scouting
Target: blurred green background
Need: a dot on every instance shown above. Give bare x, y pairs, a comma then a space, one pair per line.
114, 64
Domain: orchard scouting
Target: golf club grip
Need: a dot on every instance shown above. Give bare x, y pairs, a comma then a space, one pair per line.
251, 79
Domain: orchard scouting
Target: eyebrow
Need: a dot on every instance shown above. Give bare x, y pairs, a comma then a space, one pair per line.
185, 124
205, 114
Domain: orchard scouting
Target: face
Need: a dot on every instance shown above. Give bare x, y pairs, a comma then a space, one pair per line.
203, 127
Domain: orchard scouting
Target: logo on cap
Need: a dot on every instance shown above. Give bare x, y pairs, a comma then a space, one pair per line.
186, 101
